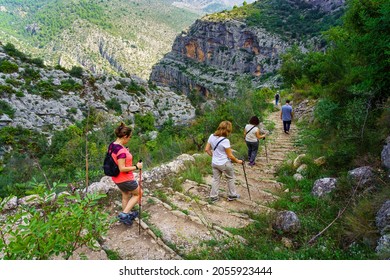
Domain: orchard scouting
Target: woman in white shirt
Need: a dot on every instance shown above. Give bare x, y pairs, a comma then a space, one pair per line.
252, 136
218, 146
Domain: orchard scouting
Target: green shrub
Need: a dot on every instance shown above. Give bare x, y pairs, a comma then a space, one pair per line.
7, 109
76, 71
134, 88
11, 50
56, 230
70, 85
8, 67
145, 123
30, 74
6, 89
114, 104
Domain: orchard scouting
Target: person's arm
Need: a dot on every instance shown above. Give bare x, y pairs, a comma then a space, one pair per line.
230, 155
207, 149
123, 168
259, 136
281, 115
244, 133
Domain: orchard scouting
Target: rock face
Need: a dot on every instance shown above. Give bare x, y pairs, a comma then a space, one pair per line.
211, 55
214, 52
326, 5
45, 103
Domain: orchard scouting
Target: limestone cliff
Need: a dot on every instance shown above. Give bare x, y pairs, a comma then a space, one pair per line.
249, 40
212, 55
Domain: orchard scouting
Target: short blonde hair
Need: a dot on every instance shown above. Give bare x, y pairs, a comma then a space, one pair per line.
224, 129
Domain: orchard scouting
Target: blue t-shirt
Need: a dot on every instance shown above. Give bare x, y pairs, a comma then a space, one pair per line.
286, 112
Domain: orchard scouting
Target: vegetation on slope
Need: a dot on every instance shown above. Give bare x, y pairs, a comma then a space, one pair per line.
289, 19
350, 78
54, 29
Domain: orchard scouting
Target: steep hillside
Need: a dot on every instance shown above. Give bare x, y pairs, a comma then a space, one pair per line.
43, 98
208, 6
100, 35
244, 41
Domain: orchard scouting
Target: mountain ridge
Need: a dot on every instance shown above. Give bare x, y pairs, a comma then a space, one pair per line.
219, 48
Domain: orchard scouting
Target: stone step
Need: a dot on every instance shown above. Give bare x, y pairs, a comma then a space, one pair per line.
241, 205
209, 214
130, 245
178, 229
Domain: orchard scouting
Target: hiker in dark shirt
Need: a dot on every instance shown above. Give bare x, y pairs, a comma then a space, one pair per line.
277, 97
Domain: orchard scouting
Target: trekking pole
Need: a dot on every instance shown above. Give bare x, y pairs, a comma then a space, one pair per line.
140, 199
246, 180
265, 147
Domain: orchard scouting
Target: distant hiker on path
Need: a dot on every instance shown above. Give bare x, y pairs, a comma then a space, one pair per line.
286, 115
277, 97
125, 180
252, 136
218, 146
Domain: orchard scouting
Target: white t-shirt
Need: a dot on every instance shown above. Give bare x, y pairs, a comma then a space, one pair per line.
251, 136
219, 154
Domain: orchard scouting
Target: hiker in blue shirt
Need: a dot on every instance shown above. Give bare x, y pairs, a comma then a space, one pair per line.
286, 115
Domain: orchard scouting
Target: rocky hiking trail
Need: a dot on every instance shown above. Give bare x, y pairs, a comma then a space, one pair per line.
177, 223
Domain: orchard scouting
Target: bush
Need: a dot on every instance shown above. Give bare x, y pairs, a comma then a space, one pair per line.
5, 108
145, 123
8, 67
54, 230
70, 85
114, 104
76, 72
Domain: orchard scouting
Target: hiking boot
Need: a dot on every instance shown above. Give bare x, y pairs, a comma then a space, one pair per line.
125, 218
233, 197
134, 215
213, 199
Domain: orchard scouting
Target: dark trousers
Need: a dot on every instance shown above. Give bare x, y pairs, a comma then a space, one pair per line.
253, 147
286, 126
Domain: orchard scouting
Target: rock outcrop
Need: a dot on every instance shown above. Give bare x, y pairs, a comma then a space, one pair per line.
46, 102
220, 48
212, 55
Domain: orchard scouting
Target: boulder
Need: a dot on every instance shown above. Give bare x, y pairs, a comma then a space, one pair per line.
323, 186
298, 160
382, 218
362, 176
383, 247
385, 155
298, 177
320, 161
287, 222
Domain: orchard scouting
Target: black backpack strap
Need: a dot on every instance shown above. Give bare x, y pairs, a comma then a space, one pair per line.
219, 142
250, 130
109, 150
